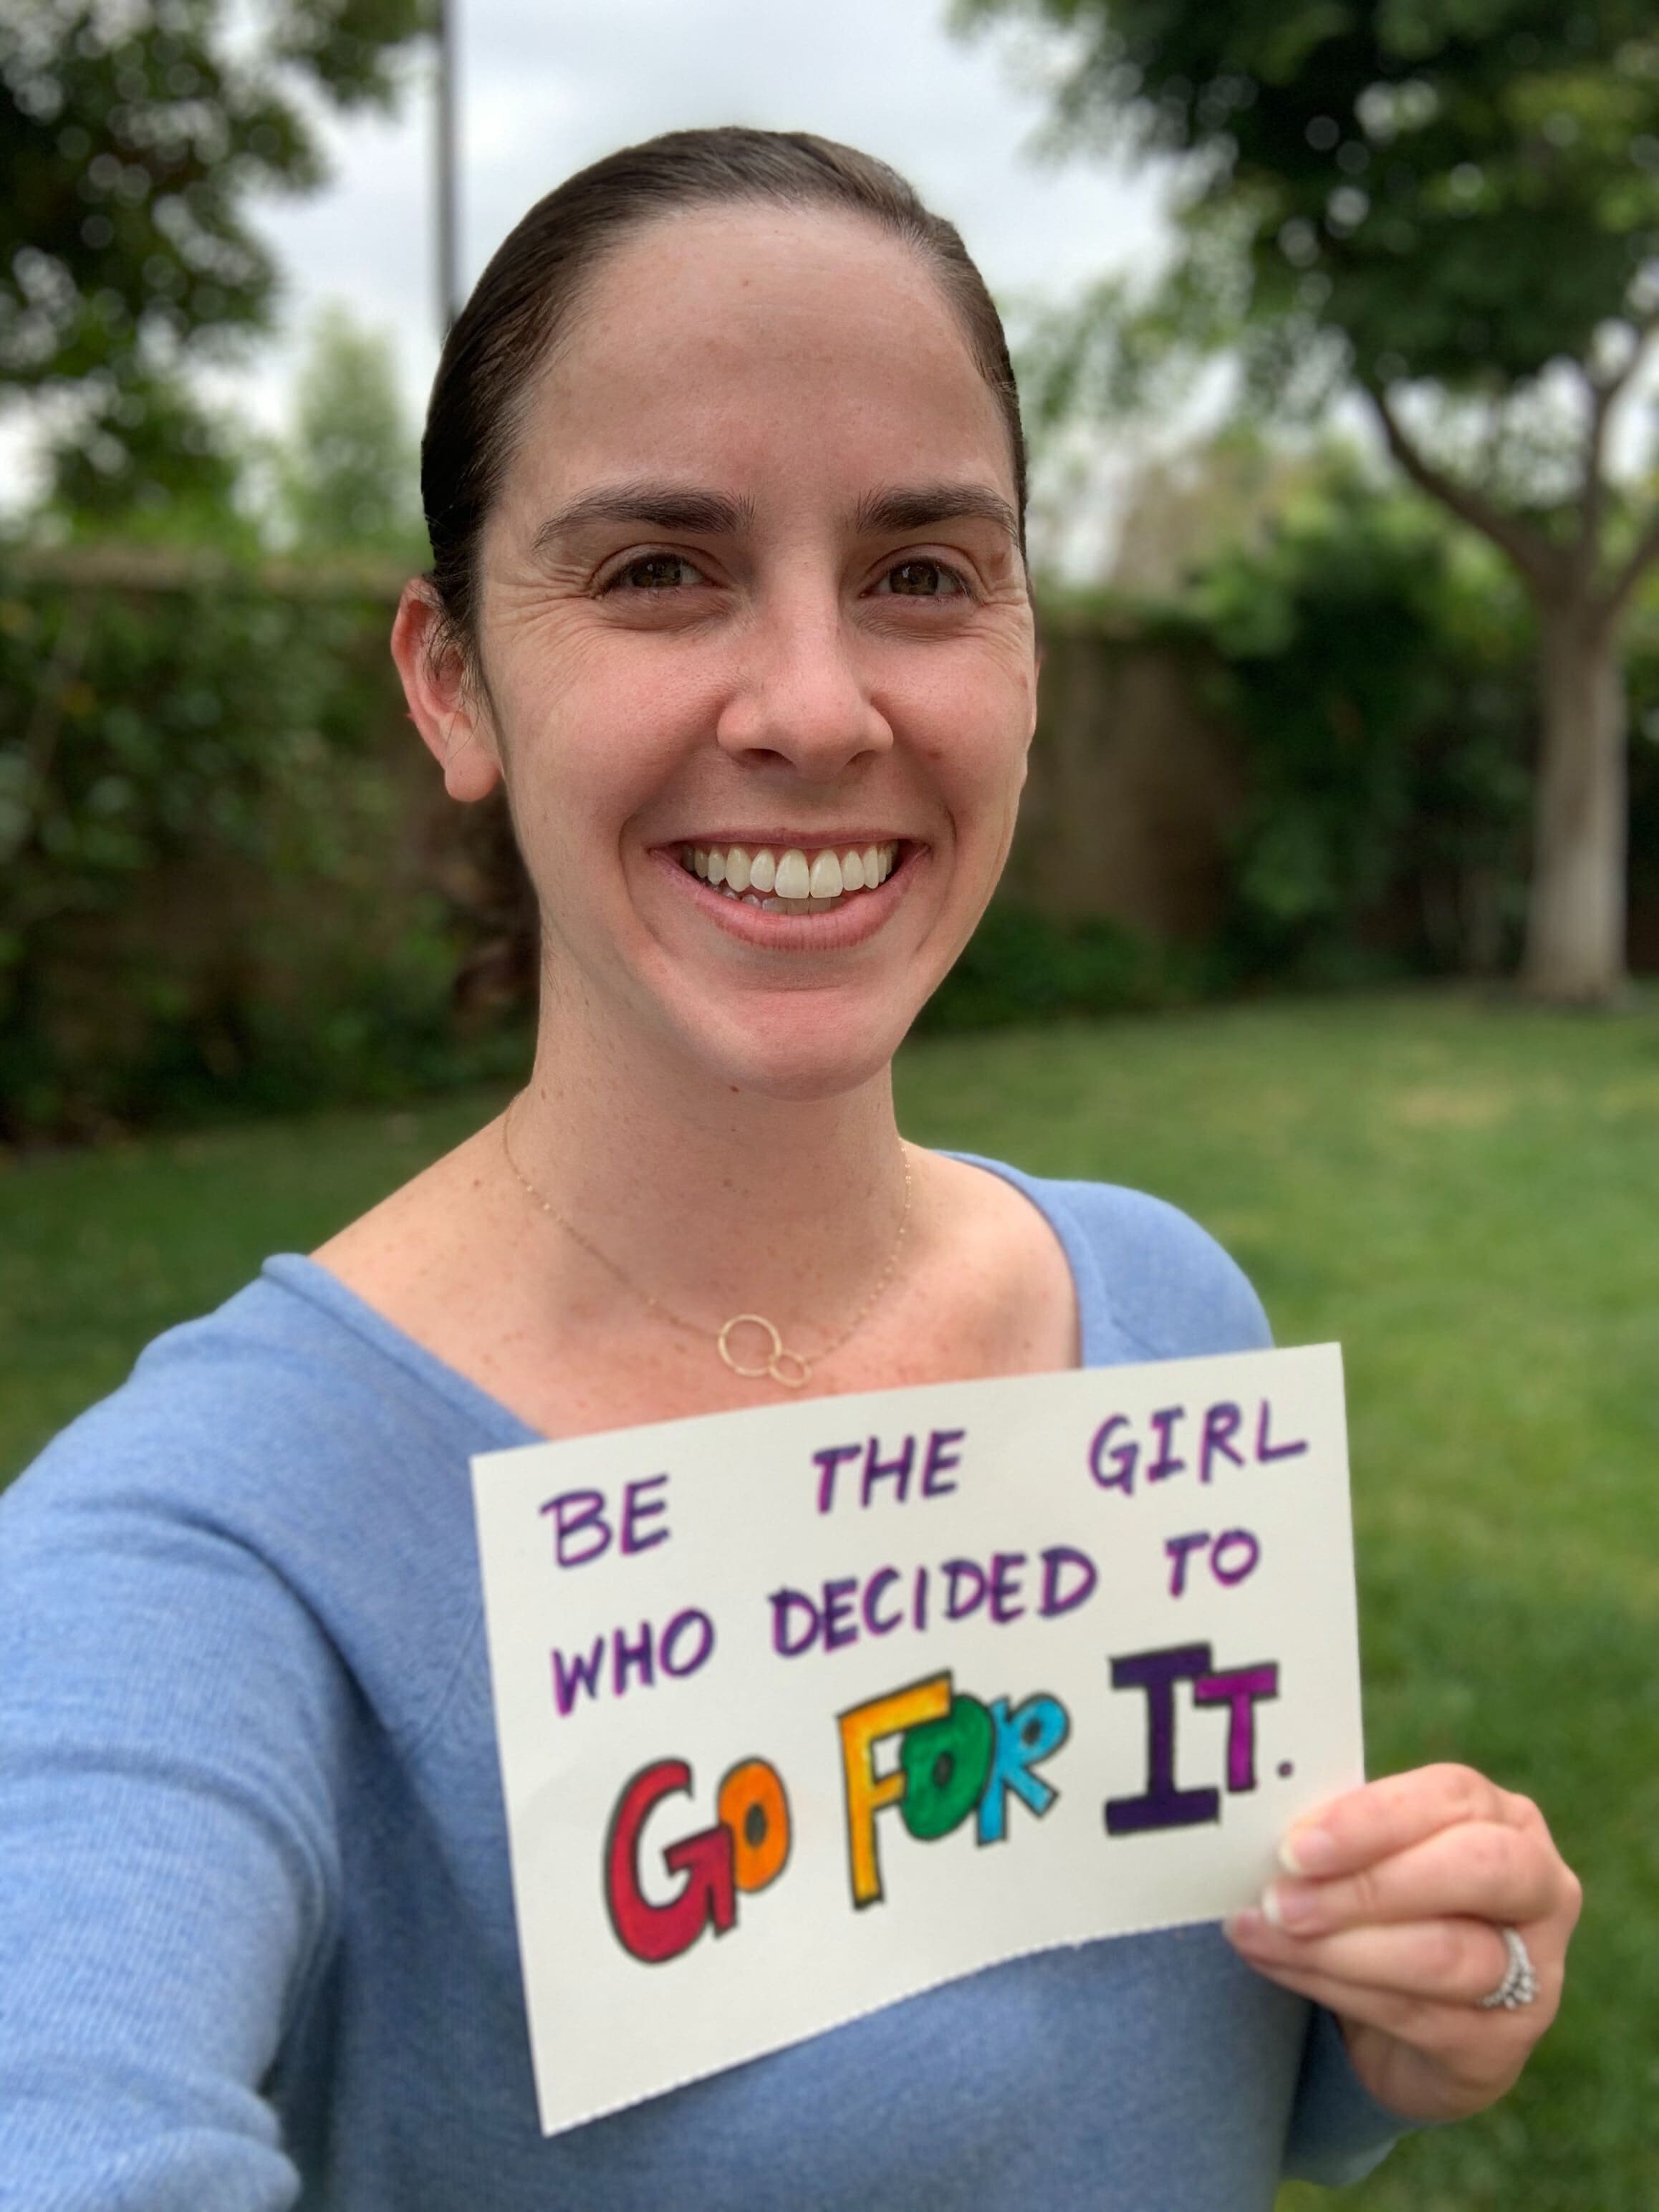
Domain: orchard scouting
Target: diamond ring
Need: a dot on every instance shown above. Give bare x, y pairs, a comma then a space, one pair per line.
1520, 1984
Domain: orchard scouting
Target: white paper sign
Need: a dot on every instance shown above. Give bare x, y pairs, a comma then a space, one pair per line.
807, 1708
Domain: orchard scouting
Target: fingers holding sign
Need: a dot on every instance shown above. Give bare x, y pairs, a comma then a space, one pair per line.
1392, 1912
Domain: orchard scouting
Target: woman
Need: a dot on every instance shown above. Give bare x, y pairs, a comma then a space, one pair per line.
724, 483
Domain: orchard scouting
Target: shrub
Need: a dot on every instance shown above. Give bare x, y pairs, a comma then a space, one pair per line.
1376, 664
212, 893
1020, 966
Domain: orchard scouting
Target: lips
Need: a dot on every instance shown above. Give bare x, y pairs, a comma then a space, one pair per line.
793, 878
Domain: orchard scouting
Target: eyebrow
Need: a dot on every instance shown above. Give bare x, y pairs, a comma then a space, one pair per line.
663, 507
917, 507
676, 506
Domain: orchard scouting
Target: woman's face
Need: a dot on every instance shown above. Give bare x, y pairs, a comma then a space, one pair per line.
752, 603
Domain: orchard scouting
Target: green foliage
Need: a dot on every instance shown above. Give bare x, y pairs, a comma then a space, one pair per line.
1464, 190
133, 135
350, 476
146, 459
1455, 204
1375, 664
205, 900
1020, 966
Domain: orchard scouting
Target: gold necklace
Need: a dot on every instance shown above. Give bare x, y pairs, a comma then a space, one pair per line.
791, 1368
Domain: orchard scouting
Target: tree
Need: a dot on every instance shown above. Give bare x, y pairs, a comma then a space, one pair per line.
350, 476
1452, 207
134, 135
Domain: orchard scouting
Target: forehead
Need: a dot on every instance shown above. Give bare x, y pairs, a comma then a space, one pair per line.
748, 339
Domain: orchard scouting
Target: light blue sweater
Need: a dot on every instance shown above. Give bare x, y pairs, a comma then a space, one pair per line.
255, 1931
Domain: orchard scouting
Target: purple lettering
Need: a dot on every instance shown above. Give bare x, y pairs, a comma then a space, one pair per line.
896, 1470
940, 1460
784, 1602
1161, 1805
1055, 1560
1265, 1447
574, 1511
920, 1614
625, 1656
698, 1623
1179, 1549
1004, 1586
1241, 1689
1166, 1463
1221, 1424
1122, 1457
840, 1613
637, 1508
955, 1571
1235, 1540
881, 1580
827, 1461
571, 1678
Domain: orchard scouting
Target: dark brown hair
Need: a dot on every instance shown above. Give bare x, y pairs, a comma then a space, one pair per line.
518, 304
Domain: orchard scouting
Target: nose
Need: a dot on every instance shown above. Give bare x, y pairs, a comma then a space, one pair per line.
799, 695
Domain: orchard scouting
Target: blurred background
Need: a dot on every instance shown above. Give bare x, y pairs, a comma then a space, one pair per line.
1335, 906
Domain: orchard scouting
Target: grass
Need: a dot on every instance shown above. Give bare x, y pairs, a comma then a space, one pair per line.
1467, 1194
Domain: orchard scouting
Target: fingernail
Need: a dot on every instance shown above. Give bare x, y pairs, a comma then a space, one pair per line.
1288, 1904
1308, 1852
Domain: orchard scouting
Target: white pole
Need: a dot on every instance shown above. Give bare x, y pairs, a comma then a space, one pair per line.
449, 288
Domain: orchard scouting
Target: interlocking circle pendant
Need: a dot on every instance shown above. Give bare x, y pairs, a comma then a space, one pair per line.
781, 1364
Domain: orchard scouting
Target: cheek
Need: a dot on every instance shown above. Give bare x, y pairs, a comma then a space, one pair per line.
975, 734
589, 744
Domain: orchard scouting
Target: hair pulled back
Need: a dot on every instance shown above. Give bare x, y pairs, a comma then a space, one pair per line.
531, 284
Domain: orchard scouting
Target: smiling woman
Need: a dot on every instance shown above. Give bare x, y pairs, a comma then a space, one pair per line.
724, 483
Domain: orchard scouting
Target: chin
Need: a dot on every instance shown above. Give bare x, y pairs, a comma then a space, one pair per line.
787, 1048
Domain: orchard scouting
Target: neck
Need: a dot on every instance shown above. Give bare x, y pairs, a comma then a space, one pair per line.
711, 1198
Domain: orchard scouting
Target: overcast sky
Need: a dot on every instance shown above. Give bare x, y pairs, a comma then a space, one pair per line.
548, 85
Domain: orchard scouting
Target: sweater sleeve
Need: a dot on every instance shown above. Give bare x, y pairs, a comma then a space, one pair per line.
1339, 2131
170, 1720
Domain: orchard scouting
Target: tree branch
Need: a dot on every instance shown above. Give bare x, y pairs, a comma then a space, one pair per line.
1532, 553
1632, 570
1605, 391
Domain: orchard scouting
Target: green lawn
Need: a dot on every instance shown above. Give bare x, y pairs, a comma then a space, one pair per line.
1466, 1195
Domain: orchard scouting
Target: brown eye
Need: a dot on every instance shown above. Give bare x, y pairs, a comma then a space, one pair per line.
922, 580
657, 572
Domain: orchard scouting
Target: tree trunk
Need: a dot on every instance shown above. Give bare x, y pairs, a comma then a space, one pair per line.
1576, 909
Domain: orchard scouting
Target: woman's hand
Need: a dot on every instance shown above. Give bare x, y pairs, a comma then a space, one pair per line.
1391, 1912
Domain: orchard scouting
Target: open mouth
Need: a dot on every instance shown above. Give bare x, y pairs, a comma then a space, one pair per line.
790, 880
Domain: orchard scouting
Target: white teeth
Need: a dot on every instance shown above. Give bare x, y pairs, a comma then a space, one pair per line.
794, 879
801, 886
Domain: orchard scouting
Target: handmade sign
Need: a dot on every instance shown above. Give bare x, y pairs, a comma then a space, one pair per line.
807, 1708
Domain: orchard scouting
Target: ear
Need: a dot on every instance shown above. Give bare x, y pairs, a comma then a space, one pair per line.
445, 707
1038, 658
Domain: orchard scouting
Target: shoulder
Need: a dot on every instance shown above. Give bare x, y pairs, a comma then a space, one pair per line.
273, 1457
250, 1407
1151, 1283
